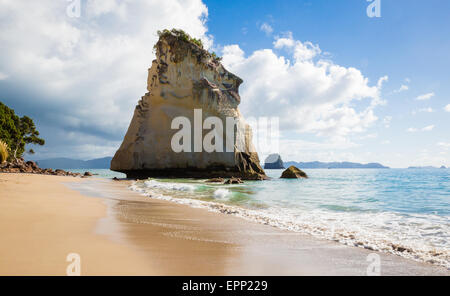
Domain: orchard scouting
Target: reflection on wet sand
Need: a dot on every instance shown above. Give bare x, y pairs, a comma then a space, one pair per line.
180, 240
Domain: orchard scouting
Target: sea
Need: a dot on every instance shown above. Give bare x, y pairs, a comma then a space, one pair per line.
401, 211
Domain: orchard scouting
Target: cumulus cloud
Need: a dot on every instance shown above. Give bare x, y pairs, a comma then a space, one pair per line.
447, 108
402, 88
308, 93
266, 28
85, 75
425, 96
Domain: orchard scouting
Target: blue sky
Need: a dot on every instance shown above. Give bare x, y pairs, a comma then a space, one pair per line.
80, 78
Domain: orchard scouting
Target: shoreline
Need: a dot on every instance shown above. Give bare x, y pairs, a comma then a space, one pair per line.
317, 231
156, 237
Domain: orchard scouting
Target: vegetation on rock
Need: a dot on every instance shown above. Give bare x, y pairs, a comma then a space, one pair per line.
17, 131
183, 36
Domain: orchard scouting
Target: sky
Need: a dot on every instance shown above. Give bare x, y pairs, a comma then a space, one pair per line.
345, 86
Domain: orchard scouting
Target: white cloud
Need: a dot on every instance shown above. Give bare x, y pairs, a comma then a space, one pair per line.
423, 110
428, 128
425, 96
301, 150
447, 108
266, 28
381, 81
403, 87
424, 129
302, 51
90, 71
307, 93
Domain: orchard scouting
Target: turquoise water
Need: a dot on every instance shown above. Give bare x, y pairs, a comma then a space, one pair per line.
102, 173
401, 211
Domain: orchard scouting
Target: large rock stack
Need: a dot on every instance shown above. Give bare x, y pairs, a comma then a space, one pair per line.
273, 162
185, 77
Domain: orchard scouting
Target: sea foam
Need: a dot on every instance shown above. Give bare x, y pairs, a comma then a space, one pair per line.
419, 236
169, 186
221, 193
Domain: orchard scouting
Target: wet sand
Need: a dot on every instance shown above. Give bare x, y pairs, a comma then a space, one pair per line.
117, 231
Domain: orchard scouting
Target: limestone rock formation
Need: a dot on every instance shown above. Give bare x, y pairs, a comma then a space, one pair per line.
273, 162
184, 77
293, 172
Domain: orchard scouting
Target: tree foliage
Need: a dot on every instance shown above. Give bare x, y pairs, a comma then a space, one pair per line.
17, 131
182, 35
3, 152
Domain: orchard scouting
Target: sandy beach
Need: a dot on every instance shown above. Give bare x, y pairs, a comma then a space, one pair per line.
119, 232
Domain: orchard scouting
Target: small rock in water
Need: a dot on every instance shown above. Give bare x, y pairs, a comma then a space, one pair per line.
215, 180
293, 173
233, 180
87, 174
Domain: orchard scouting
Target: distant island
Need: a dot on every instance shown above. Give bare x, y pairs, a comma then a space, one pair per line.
426, 167
104, 163
334, 165
69, 163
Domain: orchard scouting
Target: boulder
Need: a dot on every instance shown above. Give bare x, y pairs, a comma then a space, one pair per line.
32, 164
233, 180
87, 174
293, 173
30, 167
187, 81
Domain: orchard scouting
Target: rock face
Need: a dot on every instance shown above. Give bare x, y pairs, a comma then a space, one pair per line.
273, 162
293, 173
185, 77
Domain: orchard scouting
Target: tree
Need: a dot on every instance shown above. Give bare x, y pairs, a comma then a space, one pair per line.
17, 131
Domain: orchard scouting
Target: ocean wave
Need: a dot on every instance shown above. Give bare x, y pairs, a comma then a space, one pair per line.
221, 193
412, 236
169, 186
